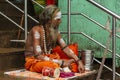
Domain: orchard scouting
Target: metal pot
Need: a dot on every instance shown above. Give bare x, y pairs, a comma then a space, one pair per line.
87, 58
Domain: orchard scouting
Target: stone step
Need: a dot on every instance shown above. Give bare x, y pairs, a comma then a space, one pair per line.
6, 36
11, 58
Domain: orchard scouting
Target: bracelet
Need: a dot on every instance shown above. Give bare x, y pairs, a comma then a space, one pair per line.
77, 60
64, 47
62, 63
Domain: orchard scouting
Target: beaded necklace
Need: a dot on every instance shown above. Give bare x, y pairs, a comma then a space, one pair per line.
44, 43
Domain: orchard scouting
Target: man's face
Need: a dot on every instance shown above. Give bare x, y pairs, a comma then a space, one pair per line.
56, 23
56, 20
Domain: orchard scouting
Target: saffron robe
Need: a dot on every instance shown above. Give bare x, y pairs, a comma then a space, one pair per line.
35, 65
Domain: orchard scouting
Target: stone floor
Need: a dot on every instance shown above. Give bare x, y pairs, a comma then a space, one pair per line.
106, 74
6, 77
10, 50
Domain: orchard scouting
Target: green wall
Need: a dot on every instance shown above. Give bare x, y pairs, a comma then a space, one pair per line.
81, 24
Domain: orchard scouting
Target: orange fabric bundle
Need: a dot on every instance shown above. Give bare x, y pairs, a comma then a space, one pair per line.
74, 67
35, 65
73, 47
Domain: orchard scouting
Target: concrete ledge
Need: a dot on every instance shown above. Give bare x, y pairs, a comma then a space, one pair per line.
13, 59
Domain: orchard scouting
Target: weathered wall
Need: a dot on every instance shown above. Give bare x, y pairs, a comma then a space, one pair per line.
81, 24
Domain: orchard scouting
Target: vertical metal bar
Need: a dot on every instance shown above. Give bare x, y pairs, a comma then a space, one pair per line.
25, 11
69, 19
114, 44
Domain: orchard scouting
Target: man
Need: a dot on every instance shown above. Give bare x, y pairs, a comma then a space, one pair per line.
43, 38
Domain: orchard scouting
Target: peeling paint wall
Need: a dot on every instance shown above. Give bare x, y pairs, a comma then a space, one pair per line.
81, 24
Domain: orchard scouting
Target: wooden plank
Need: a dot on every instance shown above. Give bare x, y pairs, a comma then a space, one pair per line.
85, 76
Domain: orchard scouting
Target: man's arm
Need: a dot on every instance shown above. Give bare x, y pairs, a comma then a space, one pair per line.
66, 49
36, 42
37, 48
70, 54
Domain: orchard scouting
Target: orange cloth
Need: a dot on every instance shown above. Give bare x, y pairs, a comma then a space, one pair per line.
35, 65
74, 67
73, 47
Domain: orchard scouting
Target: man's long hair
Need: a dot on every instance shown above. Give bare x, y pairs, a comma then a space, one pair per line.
47, 14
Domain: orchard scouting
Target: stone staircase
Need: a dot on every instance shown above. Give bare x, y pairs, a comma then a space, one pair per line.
12, 55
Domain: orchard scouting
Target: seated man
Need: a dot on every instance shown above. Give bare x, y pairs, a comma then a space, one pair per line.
43, 38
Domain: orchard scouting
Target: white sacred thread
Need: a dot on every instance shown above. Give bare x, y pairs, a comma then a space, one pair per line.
46, 58
62, 41
38, 48
56, 61
58, 16
37, 35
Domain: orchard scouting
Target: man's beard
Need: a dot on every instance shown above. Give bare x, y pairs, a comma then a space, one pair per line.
53, 33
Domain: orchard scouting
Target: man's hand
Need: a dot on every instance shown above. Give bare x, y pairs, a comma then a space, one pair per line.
67, 63
81, 67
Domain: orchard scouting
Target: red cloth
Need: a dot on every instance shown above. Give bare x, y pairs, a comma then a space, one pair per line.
74, 48
58, 50
48, 2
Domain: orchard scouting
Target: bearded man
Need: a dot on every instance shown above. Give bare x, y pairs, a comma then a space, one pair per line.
43, 38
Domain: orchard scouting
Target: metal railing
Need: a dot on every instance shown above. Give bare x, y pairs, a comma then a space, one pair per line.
69, 31
26, 15
115, 16
103, 46
12, 21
